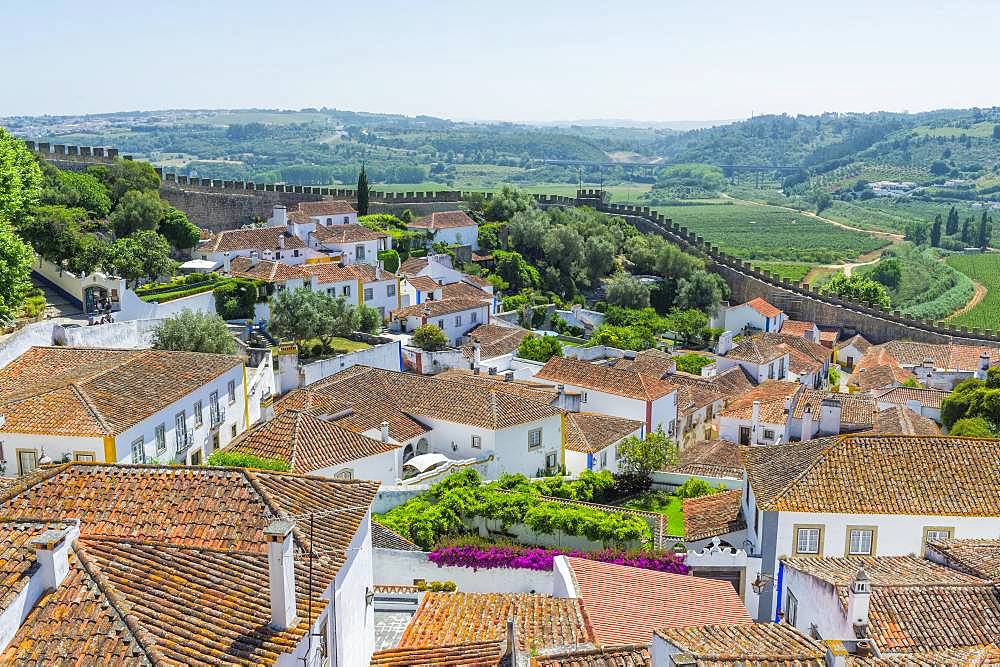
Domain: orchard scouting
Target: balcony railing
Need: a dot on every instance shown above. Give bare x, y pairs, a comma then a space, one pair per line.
217, 415
184, 438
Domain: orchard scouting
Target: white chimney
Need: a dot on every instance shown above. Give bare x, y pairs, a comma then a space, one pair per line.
52, 555
385, 431
807, 423
281, 242
725, 343
226, 259
281, 573
984, 365
829, 417
788, 404
755, 418
476, 354
279, 217
858, 598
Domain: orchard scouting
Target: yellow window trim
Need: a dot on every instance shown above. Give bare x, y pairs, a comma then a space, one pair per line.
110, 452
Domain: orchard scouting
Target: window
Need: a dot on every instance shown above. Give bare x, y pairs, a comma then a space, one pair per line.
138, 451
861, 540
332, 291
160, 435
618, 453
231, 388
369, 294
232, 431
359, 252
27, 460
346, 220
791, 609
583, 398
345, 290
477, 442
936, 533
770, 372
84, 457
277, 255
808, 540
295, 253
474, 317
550, 460
768, 434
199, 417
458, 320
534, 438
329, 221
441, 325
346, 473
180, 430
390, 290
604, 459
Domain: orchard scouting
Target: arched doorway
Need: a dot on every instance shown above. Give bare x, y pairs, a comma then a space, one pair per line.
93, 295
408, 453
422, 446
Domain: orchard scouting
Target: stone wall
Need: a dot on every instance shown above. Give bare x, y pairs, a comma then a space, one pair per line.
74, 158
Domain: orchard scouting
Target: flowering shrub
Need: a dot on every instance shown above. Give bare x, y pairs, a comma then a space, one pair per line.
536, 558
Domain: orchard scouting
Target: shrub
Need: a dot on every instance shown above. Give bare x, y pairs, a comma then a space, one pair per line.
240, 460
390, 260
695, 488
973, 427
691, 363
535, 558
163, 296
429, 337
539, 348
235, 298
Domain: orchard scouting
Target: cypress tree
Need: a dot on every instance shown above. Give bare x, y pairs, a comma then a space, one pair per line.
936, 231
952, 225
984, 231
966, 230
362, 191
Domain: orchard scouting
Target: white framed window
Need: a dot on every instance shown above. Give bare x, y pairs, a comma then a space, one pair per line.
441, 325
618, 453
345, 290
346, 219
231, 390
160, 434
936, 533
768, 434
332, 291
27, 460
550, 460
359, 251
346, 473
474, 317
534, 438
199, 416
277, 255
477, 442
84, 457
860, 541
138, 451
791, 609
390, 290
369, 294
583, 397
232, 430
295, 253
213, 406
180, 430
458, 320
329, 221
807, 540
604, 459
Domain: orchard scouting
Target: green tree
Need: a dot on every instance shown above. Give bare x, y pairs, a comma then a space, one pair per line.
53, 231
689, 323
701, 290
539, 348
527, 231
939, 168
489, 237
390, 260
177, 229
858, 288
142, 255
126, 175
983, 238
936, 232
369, 319
15, 270
515, 271
301, 314
967, 230
626, 291
503, 205
888, 272
951, 225
20, 180
138, 210
917, 232
598, 257
194, 332
429, 337
225, 458
973, 398
363, 193
75, 190
640, 457
972, 427
691, 363
90, 254
623, 338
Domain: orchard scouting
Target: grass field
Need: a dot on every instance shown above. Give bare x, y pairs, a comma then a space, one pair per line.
794, 271
756, 232
664, 503
984, 269
982, 130
928, 287
891, 214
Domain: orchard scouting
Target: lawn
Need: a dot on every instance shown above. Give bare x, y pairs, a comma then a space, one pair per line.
755, 232
983, 130
985, 269
663, 503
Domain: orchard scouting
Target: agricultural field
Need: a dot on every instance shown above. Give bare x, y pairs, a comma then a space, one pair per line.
984, 269
794, 271
848, 175
928, 288
755, 232
891, 214
981, 130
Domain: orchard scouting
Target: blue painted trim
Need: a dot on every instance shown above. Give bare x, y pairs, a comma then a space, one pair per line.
590, 461
777, 589
399, 353
418, 298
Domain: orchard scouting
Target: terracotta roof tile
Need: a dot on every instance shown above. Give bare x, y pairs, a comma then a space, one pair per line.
625, 605
105, 393
487, 653
692, 397
383, 538
599, 377
443, 220
879, 377
423, 283
798, 328
413, 265
351, 233
542, 621
635, 655
266, 270
980, 558
254, 238
765, 347
306, 442
590, 432
494, 340
902, 395
931, 476
17, 558
710, 458
439, 307
713, 515
948, 357
334, 272
463, 290
763, 307
654, 363
897, 420
854, 409
326, 207
757, 644
772, 395
858, 341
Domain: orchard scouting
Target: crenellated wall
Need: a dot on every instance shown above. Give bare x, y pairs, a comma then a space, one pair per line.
74, 158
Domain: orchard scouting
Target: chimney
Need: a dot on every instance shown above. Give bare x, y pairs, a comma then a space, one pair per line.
568, 402
829, 416
493, 370
755, 414
984, 365
858, 598
226, 260
52, 555
281, 242
508, 376
385, 431
510, 643
279, 216
477, 356
475, 371
281, 572
788, 404
725, 343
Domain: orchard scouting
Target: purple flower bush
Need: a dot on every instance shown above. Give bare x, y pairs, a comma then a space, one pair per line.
536, 558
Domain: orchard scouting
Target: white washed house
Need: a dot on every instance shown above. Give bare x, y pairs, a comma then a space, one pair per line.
755, 314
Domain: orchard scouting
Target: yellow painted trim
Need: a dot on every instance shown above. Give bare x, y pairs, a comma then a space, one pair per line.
399, 293
562, 444
246, 401
110, 452
361, 292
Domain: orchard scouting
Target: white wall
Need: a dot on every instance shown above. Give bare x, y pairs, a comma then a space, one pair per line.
402, 567
454, 325
37, 333
383, 467
818, 604
384, 355
354, 629
74, 285
458, 235
729, 430
53, 446
134, 308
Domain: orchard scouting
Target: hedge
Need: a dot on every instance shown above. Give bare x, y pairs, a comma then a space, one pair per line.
170, 295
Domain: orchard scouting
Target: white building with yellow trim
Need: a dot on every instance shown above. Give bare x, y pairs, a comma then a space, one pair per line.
124, 406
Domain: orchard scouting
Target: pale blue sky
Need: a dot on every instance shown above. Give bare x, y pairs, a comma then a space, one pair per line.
512, 60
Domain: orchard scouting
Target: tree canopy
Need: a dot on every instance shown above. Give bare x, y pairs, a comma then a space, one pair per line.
858, 288
643, 456
429, 337
539, 348
194, 332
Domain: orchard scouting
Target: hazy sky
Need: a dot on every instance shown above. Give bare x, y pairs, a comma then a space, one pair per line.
516, 60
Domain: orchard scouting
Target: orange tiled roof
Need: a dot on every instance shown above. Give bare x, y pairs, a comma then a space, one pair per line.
487, 653
423, 283
351, 233
898, 420
880, 377
97, 392
797, 328
763, 307
901, 395
542, 621
494, 340
333, 272
853, 409
949, 357
712, 515
859, 342
710, 458
326, 207
915, 605
306, 442
18, 555
265, 269
635, 655
440, 307
463, 290
443, 220
772, 395
383, 538
932, 476
608, 379
654, 363
590, 432
626, 605
759, 644
255, 238
980, 558
413, 265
